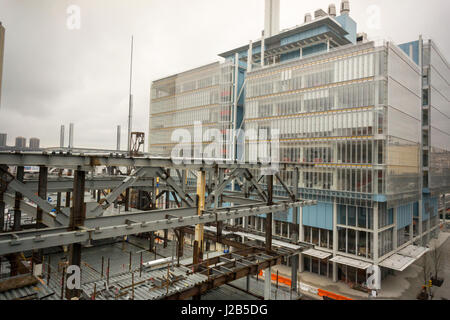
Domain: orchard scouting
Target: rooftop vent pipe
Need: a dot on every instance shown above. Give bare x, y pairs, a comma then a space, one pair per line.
345, 7
332, 10
308, 17
319, 13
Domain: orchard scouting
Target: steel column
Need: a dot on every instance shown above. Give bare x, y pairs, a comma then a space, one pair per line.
2, 213
42, 193
77, 217
18, 199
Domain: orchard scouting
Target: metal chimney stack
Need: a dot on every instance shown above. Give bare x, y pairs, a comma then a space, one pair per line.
61, 137
118, 138
332, 10
71, 136
345, 7
272, 18
308, 17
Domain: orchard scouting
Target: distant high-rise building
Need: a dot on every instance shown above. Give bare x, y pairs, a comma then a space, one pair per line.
21, 142
3, 137
34, 143
2, 46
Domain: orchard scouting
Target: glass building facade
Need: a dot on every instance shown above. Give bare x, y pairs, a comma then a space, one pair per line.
201, 95
370, 120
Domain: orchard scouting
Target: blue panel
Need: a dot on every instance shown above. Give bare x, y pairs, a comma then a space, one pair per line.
404, 216
430, 207
319, 216
406, 47
390, 216
416, 209
349, 25
379, 198
290, 56
321, 47
304, 35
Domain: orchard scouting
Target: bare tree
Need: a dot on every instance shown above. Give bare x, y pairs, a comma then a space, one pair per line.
436, 256
426, 268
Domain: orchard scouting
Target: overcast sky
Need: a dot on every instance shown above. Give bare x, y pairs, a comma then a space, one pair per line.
53, 75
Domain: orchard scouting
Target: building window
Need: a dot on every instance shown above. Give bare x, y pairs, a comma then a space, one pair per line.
342, 239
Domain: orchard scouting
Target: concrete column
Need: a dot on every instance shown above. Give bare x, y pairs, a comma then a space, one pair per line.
18, 199
395, 232
301, 262
268, 284
335, 241
411, 231
263, 49
420, 226
375, 233
269, 215
444, 216
300, 226
335, 272
250, 57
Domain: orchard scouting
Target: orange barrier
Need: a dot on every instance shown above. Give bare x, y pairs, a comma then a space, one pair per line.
320, 292
281, 279
331, 295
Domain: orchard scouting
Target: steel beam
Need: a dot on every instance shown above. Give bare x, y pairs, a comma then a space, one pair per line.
185, 197
110, 198
45, 238
89, 162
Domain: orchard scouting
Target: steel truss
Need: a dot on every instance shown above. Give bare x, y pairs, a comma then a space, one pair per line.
75, 225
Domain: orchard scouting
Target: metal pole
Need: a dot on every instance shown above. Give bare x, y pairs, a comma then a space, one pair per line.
61, 137
71, 131
130, 104
118, 138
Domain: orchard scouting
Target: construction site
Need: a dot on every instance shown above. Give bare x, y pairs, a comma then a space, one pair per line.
322, 173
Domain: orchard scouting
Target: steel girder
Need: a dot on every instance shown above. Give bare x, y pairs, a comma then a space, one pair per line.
44, 238
96, 183
185, 197
89, 161
126, 183
219, 189
15, 185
